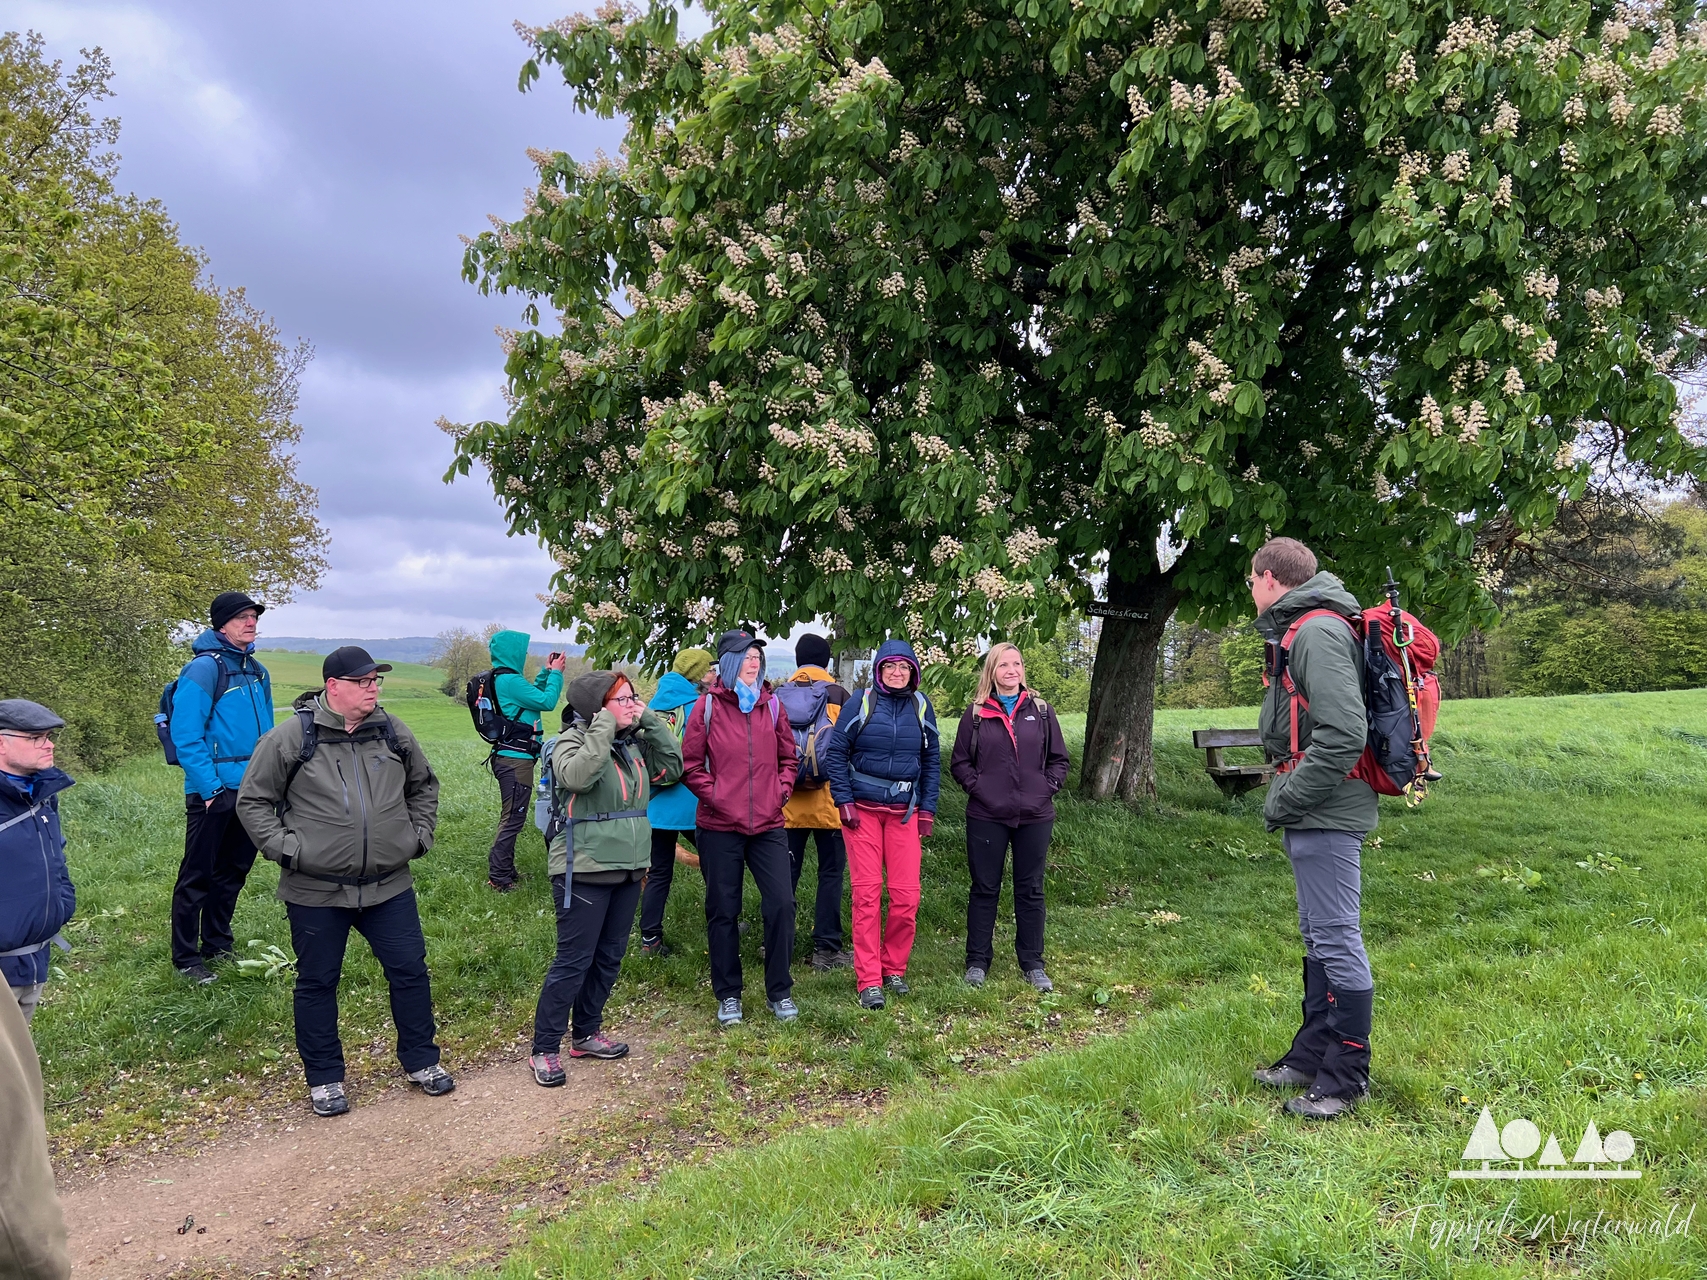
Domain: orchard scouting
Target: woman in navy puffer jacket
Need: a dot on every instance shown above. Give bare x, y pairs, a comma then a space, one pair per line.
884, 762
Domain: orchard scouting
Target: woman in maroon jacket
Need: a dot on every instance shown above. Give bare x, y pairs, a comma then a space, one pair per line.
1010, 759
738, 757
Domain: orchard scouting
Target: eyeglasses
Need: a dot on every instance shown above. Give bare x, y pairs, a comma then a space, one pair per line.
366, 682
34, 739
627, 699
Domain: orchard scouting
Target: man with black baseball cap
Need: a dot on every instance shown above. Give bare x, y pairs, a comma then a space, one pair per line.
341, 796
213, 714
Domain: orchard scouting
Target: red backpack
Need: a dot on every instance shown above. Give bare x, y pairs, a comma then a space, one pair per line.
1402, 695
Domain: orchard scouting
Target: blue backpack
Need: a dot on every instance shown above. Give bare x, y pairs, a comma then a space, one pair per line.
808, 707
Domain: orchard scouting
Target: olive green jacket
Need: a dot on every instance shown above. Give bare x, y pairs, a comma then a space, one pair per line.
32, 1226
1326, 663
596, 770
355, 809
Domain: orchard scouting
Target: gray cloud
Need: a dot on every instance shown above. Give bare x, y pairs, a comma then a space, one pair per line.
327, 156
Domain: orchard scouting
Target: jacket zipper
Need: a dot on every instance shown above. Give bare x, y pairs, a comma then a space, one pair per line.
47, 871
361, 799
752, 800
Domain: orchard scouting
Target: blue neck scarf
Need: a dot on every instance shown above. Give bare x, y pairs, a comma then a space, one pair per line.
1008, 703
729, 672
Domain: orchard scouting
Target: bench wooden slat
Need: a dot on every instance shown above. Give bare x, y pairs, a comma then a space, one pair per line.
1203, 739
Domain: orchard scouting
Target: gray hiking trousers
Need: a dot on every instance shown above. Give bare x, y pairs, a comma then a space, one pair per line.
1325, 866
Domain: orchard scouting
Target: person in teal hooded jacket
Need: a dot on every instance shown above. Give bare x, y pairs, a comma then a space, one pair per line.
673, 810
523, 701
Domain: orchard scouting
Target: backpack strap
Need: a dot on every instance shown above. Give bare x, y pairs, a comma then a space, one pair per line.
1283, 672
310, 742
25, 816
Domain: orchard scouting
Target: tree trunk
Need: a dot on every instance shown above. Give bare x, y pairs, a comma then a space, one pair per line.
1119, 756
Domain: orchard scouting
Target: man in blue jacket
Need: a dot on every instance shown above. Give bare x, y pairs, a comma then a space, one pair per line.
521, 700
221, 707
36, 895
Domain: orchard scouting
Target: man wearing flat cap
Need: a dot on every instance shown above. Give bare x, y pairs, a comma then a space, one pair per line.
220, 705
36, 895
341, 796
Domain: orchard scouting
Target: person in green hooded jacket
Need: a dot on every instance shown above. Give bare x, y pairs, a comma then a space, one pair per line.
521, 700
613, 753
1322, 813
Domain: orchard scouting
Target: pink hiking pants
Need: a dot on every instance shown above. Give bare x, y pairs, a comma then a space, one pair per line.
881, 846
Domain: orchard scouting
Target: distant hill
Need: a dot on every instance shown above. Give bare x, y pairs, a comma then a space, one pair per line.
396, 649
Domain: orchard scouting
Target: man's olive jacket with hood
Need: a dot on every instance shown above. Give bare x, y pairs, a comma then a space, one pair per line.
355, 809
1326, 663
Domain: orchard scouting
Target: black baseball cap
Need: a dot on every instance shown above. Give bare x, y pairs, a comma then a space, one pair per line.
352, 662
737, 642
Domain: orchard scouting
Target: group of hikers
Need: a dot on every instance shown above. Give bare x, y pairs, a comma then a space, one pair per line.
746, 772
342, 797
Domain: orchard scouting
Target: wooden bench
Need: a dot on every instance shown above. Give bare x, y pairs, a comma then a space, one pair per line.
1233, 779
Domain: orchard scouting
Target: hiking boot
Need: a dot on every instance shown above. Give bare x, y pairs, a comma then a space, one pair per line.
434, 1080
1282, 1076
329, 1099
975, 976
897, 984
871, 998
548, 1069
785, 1009
597, 1045
1314, 1106
1040, 980
729, 1012
657, 949
495, 887
825, 961
201, 975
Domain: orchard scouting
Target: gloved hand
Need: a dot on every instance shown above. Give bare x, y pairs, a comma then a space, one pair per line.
850, 816
926, 822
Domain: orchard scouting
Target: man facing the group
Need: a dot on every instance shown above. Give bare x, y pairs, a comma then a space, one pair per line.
1323, 815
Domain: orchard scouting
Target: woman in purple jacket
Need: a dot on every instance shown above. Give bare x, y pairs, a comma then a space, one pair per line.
1010, 759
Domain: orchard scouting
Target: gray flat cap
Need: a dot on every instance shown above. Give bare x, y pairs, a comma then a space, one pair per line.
20, 715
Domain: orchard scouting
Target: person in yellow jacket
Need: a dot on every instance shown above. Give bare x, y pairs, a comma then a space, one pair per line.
813, 700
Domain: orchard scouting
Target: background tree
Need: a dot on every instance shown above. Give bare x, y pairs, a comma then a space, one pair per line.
939, 312
145, 422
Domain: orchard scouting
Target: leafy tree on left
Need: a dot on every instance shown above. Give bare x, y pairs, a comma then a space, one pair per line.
145, 421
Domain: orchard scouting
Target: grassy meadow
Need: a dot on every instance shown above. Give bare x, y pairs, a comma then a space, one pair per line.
1535, 929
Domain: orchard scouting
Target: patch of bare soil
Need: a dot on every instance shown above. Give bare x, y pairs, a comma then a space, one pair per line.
386, 1189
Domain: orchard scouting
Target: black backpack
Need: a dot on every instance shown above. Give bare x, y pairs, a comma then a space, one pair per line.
163, 716
491, 723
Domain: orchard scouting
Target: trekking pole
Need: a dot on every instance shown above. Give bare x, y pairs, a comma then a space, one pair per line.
1403, 637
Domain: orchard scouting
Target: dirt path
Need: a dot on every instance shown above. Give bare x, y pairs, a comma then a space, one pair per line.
303, 1182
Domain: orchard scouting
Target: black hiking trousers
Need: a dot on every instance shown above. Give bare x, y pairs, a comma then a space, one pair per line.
319, 936
659, 877
218, 854
515, 789
592, 938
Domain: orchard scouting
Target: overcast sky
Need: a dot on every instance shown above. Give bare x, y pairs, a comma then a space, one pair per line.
326, 156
